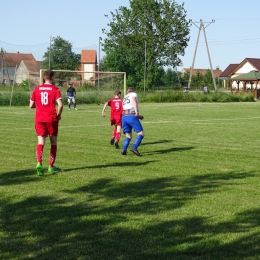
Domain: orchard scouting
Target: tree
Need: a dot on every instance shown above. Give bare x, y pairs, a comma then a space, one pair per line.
159, 27
171, 78
61, 56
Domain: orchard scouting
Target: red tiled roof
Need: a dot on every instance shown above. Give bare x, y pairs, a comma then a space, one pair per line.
14, 59
33, 66
89, 56
216, 72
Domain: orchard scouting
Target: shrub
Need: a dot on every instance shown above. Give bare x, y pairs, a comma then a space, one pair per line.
20, 98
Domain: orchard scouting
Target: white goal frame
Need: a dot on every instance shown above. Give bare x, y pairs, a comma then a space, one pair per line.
79, 71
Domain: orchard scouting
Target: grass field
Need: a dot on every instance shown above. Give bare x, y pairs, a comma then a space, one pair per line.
193, 194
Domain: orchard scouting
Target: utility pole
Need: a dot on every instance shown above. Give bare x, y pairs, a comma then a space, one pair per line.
2, 65
202, 27
50, 54
4, 70
144, 66
99, 40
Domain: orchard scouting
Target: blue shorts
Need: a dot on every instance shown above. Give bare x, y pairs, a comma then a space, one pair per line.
131, 122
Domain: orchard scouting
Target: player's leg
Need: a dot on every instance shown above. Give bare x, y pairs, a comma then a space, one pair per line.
113, 136
128, 132
74, 103
118, 127
69, 102
128, 137
41, 132
53, 132
140, 135
118, 135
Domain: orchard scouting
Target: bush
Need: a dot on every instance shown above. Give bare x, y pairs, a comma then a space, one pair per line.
21, 98
180, 96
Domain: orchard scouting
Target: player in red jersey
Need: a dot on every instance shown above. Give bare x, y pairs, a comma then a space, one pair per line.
44, 99
116, 105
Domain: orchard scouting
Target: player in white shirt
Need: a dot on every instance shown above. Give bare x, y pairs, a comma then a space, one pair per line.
131, 122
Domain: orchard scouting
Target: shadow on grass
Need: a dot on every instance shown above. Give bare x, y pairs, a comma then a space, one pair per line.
170, 150
23, 176
157, 142
106, 219
116, 164
17, 177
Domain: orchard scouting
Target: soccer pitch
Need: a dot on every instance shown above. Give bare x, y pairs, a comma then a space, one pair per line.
193, 194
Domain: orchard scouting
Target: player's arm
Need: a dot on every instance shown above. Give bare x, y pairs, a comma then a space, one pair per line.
60, 108
134, 102
32, 104
74, 92
104, 109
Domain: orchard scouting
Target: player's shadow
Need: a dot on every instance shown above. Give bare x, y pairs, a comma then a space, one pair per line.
18, 177
170, 150
157, 142
117, 164
23, 176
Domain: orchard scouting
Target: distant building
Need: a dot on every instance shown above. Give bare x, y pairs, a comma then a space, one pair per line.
237, 69
89, 63
243, 76
216, 72
9, 62
29, 70
16, 67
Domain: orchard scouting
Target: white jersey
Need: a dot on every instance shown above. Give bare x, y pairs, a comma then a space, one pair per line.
128, 104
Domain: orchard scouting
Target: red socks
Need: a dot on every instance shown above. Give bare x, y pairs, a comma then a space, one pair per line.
114, 133
39, 151
53, 153
118, 135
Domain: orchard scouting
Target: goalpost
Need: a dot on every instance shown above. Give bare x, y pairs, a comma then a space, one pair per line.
89, 77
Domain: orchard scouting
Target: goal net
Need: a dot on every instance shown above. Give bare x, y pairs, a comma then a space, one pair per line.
91, 81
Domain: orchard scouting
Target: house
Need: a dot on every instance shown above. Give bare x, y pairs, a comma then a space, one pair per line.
216, 72
28, 69
89, 64
233, 75
9, 62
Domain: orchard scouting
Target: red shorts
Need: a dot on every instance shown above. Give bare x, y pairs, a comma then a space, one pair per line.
46, 128
116, 121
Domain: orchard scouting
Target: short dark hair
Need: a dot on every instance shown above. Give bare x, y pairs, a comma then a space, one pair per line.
117, 92
48, 74
131, 89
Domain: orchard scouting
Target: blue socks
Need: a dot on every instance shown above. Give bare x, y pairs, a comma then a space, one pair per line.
138, 141
126, 143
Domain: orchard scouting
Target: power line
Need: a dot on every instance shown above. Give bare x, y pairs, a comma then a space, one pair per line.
23, 45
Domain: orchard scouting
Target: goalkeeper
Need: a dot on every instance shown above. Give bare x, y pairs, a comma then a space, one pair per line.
71, 95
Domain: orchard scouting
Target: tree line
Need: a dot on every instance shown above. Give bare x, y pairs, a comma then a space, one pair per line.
145, 40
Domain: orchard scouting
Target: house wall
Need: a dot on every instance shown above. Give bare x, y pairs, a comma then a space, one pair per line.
7, 72
22, 73
247, 67
88, 75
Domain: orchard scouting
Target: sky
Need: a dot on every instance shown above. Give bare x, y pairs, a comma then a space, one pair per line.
28, 26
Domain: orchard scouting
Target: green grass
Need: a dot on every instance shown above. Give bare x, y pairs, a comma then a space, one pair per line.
193, 194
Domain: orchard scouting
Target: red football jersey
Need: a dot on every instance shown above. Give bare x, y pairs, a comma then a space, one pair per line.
45, 97
116, 105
